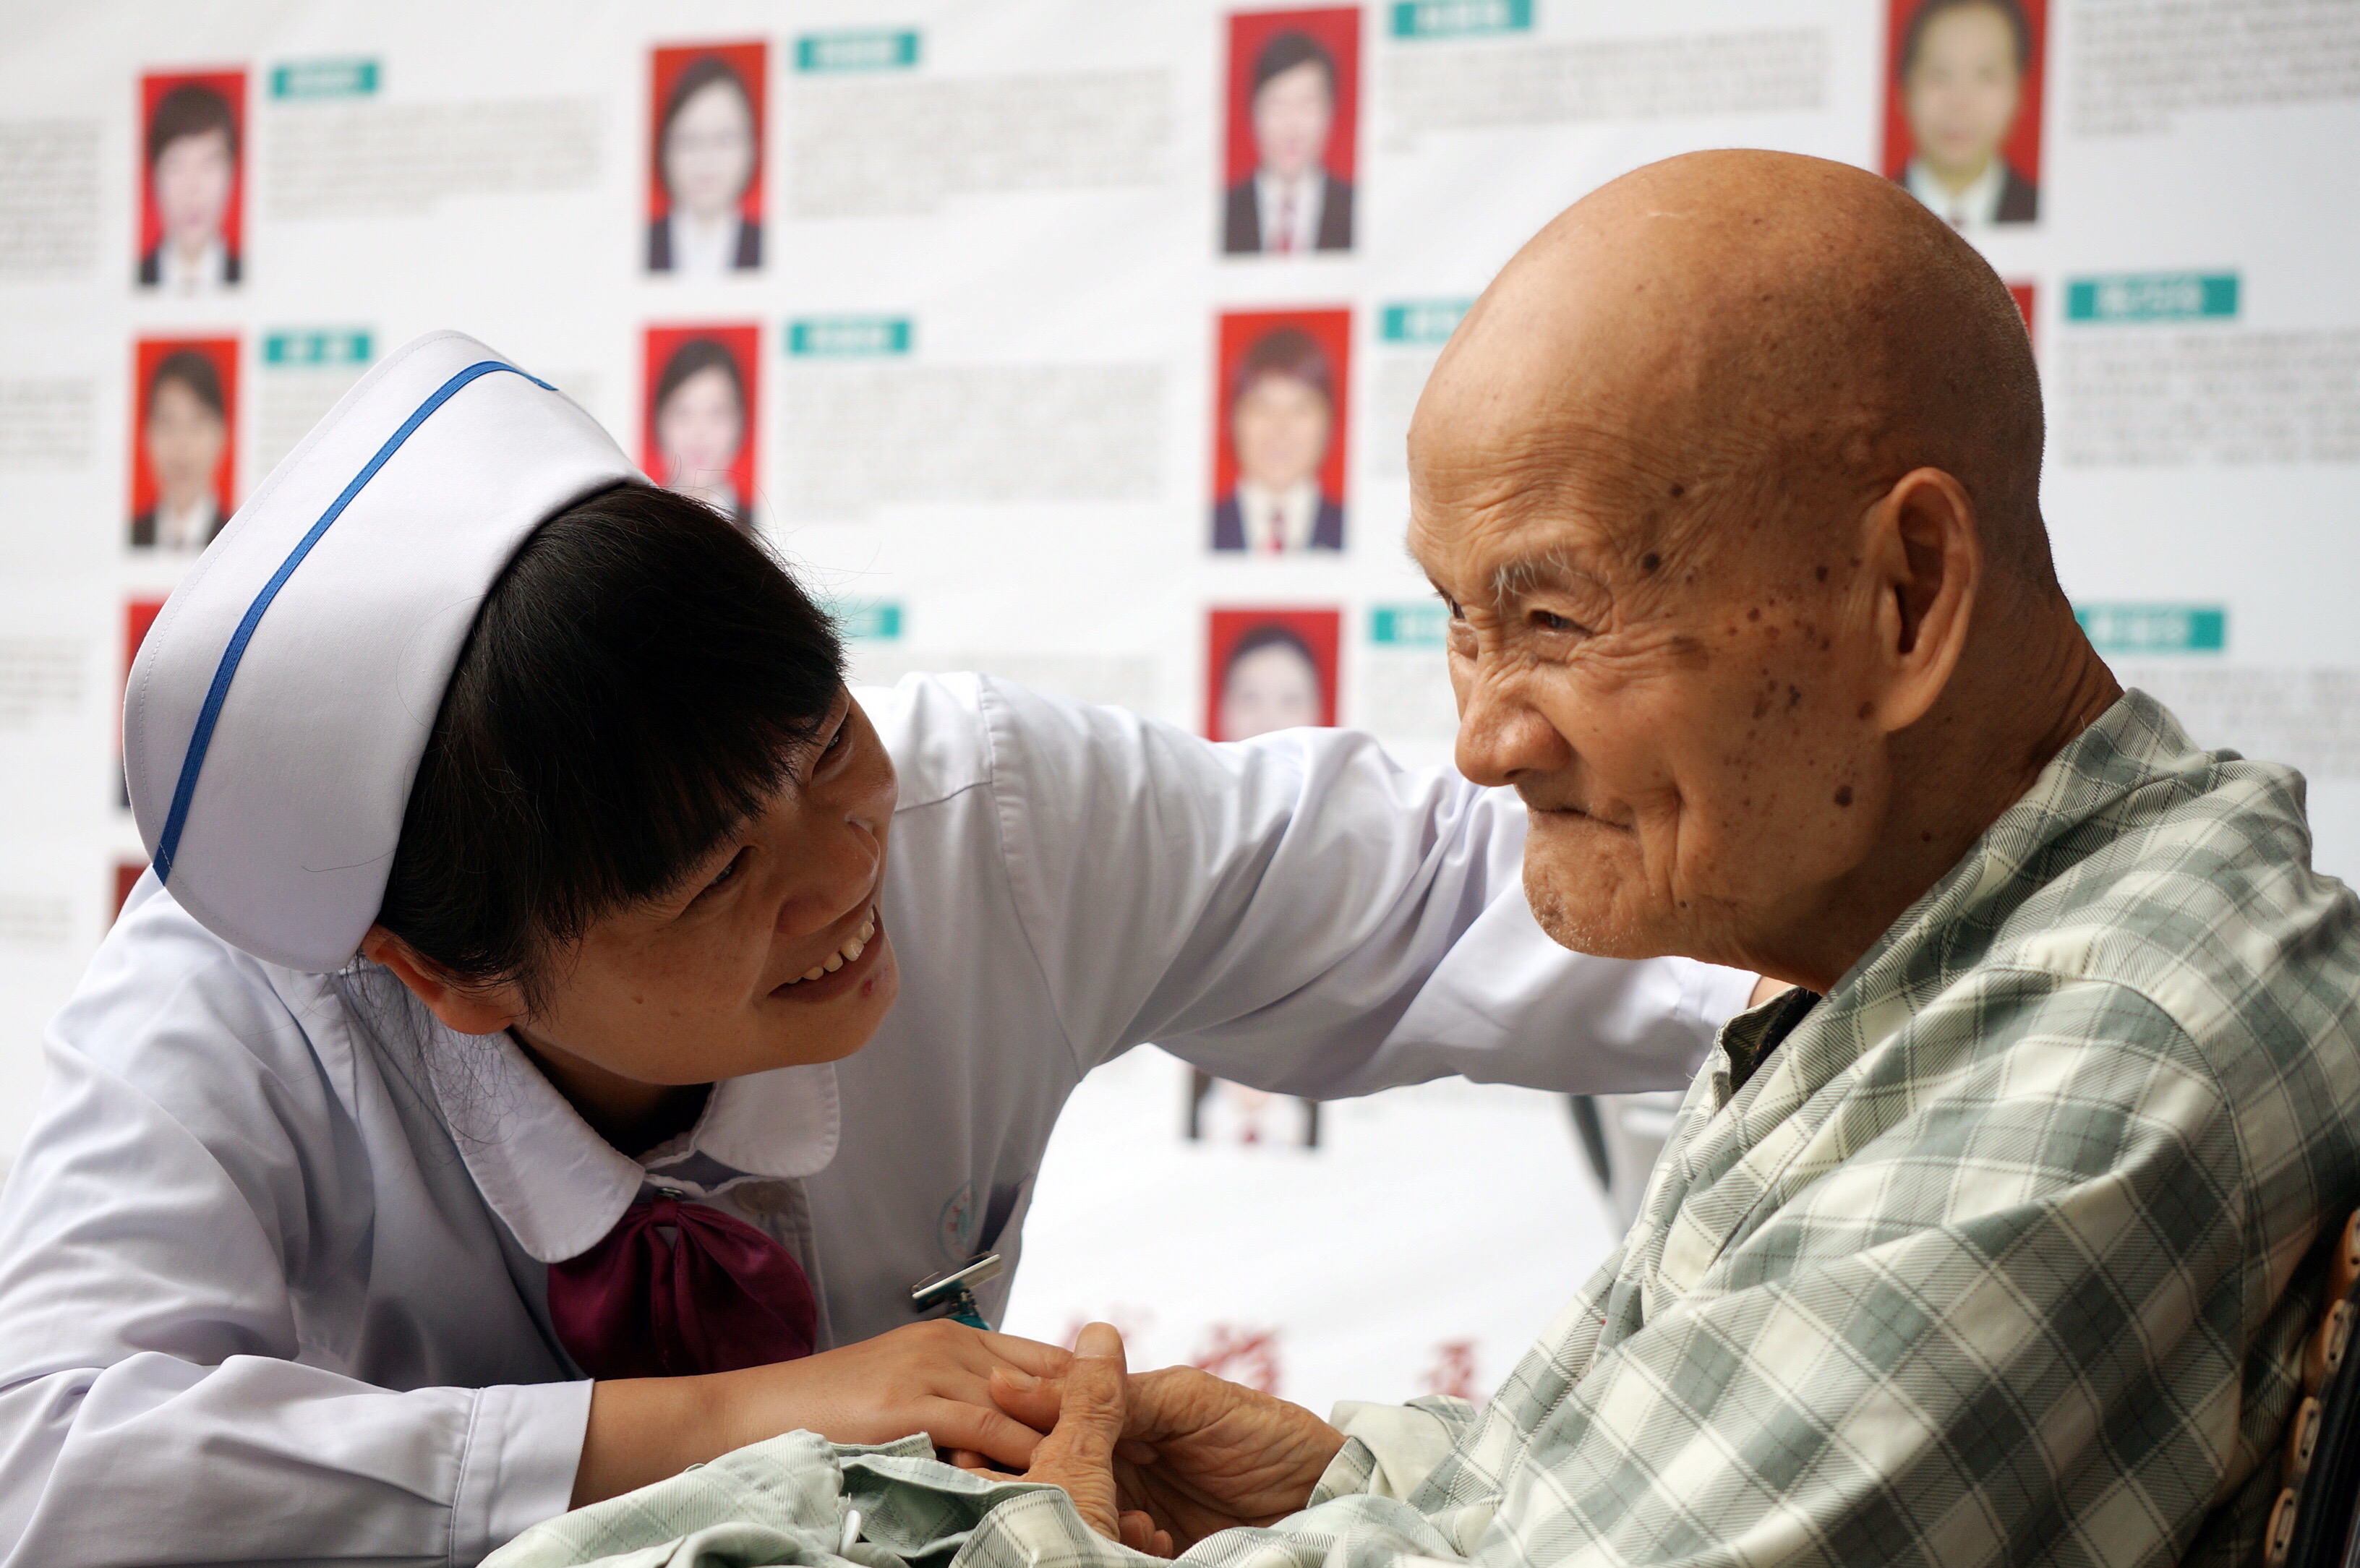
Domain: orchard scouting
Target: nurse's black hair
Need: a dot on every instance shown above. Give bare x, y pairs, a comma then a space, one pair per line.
638, 683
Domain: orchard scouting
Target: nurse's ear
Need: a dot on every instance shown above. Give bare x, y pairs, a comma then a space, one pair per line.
466, 1008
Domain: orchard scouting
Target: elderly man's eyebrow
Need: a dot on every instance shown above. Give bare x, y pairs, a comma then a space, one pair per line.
1516, 578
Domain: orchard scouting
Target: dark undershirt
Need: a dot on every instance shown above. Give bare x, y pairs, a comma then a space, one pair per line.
1789, 1009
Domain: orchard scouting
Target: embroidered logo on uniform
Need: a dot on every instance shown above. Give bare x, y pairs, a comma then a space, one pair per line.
955, 1230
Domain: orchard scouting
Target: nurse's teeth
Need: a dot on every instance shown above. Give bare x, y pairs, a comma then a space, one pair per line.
850, 951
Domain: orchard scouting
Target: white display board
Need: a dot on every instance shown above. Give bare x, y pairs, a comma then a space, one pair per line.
1076, 342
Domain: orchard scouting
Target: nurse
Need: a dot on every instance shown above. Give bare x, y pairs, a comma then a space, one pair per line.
563, 1021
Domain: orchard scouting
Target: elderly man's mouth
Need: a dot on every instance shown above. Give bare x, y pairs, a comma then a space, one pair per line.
1571, 814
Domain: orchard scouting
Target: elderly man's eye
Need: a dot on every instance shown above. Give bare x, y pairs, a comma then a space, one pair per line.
1550, 621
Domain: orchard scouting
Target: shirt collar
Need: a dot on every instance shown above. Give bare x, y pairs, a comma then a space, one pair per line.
1308, 191
704, 247
559, 1187
189, 529
1259, 509
1976, 205
209, 271
2134, 742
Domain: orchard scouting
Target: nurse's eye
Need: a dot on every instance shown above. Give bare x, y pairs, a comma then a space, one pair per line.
727, 873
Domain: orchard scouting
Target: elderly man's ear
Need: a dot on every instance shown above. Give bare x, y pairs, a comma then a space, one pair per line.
1923, 557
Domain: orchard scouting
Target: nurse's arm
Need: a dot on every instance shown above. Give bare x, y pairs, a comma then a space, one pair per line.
158, 1399
1299, 913
931, 1376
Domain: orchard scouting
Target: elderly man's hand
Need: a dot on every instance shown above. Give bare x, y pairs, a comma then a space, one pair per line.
1197, 1453
1079, 1452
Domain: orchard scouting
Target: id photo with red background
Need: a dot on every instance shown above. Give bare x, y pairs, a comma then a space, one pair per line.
2018, 146
167, 439
1330, 332
229, 218
701, 410
1256, 678
1273, 126
1339, 32
748, 62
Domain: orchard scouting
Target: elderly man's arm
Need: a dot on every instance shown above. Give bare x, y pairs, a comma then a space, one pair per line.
2016, 1313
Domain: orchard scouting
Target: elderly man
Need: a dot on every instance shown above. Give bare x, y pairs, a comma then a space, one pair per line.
1992, 1240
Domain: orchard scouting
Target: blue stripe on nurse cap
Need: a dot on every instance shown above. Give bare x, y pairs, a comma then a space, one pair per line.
278, 706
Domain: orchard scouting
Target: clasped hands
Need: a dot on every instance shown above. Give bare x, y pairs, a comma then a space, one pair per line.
1160, 1460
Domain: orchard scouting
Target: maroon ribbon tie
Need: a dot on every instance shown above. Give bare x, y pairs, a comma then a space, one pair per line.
677, 1289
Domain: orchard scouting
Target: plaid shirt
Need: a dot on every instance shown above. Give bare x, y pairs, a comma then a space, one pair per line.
2002, 1253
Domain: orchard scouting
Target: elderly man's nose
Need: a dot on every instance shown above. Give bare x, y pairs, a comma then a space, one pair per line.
1503, 737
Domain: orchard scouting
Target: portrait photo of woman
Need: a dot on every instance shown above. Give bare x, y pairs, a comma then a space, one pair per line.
180, 445
700, 414
1962, 127
189, 184
1279, 440
704, 203
1270, 670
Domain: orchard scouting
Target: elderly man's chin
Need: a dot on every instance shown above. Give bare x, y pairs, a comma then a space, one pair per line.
1589, 889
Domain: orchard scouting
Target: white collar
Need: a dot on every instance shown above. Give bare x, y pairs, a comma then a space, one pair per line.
189, 529
703, 248
559, 1187
1976, 205
1309, 191
210, 270
1292, 513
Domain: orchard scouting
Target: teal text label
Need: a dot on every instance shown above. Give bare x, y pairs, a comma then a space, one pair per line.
318, 346
2154, 629
1422, 320
2152, 297
356, 78
849, 337
872, 620
1420, 624
876, 48
1460, 19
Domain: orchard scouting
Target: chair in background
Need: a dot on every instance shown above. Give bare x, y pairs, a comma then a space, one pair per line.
2310, 1527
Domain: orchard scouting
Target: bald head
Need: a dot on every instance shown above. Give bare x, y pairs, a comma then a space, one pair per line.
1749, 339
1730, 481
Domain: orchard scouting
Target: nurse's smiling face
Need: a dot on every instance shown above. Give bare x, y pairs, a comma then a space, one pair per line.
772, 953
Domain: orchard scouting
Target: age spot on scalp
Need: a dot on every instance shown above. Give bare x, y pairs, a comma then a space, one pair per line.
1823, 574
1754, 614
1649, 561
1866, 708
1679, 490
1843, 795
1794, 697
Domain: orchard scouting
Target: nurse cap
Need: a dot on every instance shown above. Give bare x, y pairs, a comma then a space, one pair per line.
279, 704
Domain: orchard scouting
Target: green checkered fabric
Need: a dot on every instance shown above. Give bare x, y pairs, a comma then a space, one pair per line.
2003, 1253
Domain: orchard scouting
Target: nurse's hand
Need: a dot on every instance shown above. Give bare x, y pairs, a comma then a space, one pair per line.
1198, 1453
934, 1378
930, 1378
